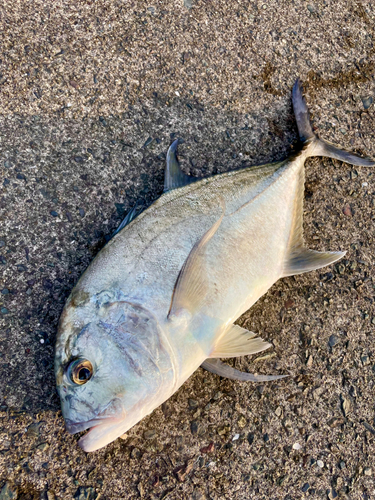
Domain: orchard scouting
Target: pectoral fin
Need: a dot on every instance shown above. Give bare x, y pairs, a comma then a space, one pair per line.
238, 341
216, 366
191, 285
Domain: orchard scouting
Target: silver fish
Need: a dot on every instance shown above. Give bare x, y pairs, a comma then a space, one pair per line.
162, 296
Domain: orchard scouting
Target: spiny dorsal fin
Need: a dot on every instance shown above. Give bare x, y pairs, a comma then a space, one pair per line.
174, 176
131, 215
216, 366
238, 341
191, 285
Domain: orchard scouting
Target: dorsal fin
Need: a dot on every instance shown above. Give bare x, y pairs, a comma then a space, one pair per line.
237, 341
174, 176
191, 284
216, 366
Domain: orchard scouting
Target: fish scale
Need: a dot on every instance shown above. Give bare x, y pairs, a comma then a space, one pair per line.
162, 296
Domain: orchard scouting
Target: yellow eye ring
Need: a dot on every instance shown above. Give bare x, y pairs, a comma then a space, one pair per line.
80, 371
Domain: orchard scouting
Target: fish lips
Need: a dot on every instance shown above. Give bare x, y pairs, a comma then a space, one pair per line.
111, 414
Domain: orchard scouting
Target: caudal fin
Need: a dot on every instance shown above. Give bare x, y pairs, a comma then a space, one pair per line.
316, 146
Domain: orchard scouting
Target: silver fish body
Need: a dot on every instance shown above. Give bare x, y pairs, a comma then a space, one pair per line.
162, 296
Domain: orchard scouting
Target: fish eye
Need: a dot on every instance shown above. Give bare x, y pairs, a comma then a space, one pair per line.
80, 371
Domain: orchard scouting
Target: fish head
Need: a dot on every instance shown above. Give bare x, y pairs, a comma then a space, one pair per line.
111, 368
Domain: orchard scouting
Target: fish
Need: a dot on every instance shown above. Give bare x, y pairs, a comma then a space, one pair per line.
162, 296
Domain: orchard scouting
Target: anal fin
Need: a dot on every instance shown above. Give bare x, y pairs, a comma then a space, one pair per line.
216, 366
238, 341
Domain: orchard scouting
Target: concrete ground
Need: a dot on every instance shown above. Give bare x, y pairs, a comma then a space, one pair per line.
91, 94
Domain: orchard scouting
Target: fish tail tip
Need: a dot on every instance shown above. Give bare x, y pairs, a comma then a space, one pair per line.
173, 147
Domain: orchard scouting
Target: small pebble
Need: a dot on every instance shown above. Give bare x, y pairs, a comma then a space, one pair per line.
148, 142
33, 430
305, 487
332, 340
53, 213
346, 406
192, 404
235, 437
208, 449
368, 471
43, 447
331, 494
5, 291
241, 422
320, 464
347, 210
4, 310
81, 212
297, 446
2, 243
135, 453
367, 101
150, 434
365, 360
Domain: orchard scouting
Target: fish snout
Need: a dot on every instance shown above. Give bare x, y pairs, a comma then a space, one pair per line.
112, 412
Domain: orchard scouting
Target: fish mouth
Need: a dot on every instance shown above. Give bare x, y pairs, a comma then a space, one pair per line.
111, 414
75, 427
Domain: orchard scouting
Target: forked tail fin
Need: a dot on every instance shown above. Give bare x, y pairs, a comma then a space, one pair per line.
316, 146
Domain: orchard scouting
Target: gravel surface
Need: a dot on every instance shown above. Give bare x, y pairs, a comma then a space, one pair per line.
91, 95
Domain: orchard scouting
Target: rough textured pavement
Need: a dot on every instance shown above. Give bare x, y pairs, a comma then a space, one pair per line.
91, 95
